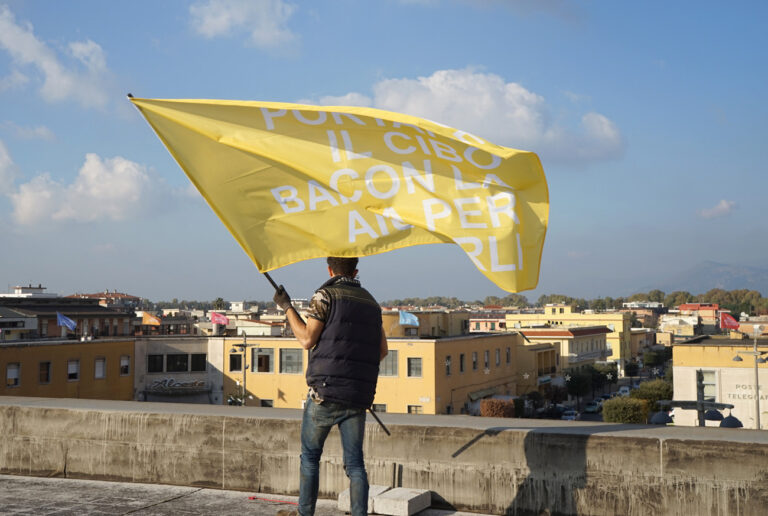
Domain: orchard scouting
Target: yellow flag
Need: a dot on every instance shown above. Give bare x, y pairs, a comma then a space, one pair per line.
293, 182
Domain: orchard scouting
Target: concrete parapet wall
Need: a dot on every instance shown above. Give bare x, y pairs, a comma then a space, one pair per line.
499, 466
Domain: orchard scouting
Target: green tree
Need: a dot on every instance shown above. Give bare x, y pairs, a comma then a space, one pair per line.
652, 359
515, 300
656, 296
608, 371
677, 298
625, 410
219, 304
597, 304
548, 299
578, 384
653, 391
597, 378
631, 368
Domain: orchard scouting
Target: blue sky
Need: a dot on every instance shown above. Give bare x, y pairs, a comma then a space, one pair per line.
649, 118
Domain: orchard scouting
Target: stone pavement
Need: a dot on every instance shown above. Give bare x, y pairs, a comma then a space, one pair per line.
62, 496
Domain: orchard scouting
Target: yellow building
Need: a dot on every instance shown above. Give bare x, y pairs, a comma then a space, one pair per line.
94, 369
577, 347
179, 369
618, 323
419, 376
725, 379
641, 340
432, 323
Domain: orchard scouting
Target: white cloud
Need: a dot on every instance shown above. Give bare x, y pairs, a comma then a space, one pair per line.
39, 132
350, 99
721, 209
505, 113
7, 169
265, 20
84, 83
15, 80
111, 189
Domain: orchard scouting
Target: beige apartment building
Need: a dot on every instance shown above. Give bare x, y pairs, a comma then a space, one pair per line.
618, 324
418, 376
432, 323
725, 379
577, 347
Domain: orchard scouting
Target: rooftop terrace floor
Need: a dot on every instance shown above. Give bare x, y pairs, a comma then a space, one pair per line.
62, 496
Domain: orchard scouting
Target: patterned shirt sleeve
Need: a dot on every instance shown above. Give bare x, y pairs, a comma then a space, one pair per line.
320, 306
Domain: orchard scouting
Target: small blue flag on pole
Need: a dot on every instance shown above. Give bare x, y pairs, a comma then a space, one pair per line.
63, 320
408, 319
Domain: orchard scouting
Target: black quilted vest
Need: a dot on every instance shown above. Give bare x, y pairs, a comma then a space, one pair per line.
344, 366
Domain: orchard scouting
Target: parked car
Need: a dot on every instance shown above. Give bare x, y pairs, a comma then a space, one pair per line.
593, 407
624, 390
606, 397
570, 415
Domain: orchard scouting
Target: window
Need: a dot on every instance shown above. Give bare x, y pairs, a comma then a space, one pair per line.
411, 332
267, 403
448, 365
493, 326
415, 409
73, 370
264, 360
154, 363
710, 385
509, 356
474, 360
487, 358
12, 375
290, 361
45, 373
477, 325
100, 367
235, 362
498, 357
125, 365
414, 367
198, 362
461, 363
177, 363
379, 407
388, 366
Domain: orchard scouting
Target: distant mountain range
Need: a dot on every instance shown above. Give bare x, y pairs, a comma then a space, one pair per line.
707, 275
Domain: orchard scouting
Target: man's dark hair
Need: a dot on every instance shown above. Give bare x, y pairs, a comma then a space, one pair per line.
342, 266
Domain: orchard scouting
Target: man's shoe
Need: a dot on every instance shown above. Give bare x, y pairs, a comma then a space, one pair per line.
286, 512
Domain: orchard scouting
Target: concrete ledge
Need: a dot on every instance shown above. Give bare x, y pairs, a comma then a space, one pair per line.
402, 501
497, 466
373, 492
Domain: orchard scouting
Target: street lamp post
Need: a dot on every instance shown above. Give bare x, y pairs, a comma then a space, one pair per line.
756, 331
243, 347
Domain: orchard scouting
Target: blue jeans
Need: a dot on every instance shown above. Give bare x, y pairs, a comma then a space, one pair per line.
317, 422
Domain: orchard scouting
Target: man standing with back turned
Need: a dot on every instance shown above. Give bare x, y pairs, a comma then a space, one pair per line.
346, 342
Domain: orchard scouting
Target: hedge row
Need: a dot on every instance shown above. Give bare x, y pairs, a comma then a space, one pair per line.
497, 408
